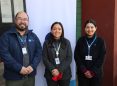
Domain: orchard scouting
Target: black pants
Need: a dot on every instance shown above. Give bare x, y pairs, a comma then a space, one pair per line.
50, 82
83, 81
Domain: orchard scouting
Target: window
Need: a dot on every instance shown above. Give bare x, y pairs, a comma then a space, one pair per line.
8, 9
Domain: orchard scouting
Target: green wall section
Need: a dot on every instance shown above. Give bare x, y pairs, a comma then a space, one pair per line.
78, 19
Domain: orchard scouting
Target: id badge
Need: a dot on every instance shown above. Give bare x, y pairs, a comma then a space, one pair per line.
24, 51
88, 57
57, 61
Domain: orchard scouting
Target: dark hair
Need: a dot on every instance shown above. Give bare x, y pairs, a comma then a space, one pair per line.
62, 35
90, 21
62, 39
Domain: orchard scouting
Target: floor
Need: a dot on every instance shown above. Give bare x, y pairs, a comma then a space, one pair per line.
1, 75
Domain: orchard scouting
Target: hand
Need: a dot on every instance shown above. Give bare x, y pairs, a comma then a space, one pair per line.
24, 71
88, 74
29, 69
55, 72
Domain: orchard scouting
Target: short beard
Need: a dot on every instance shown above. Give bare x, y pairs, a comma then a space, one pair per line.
21, 28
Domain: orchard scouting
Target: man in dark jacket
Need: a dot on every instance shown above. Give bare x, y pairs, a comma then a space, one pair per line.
21, 52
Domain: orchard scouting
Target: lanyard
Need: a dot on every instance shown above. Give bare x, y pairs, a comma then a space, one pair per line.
57, 49
89, 45
22, 40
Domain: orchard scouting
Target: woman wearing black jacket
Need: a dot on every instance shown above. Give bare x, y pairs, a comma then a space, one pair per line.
89, 56
57, 57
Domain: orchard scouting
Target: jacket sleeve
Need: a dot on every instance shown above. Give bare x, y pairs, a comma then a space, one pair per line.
67, 61
99, 62
46, 61
78, 56
37, 53
7, 58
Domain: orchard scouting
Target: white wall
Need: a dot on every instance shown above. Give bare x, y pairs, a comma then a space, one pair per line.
42, 14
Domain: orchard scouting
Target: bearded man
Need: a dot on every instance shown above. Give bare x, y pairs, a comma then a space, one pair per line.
21, 52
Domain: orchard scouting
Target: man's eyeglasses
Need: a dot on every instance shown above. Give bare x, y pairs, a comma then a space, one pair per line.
22, 19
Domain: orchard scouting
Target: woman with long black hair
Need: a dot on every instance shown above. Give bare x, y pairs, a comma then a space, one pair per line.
89, 56
57, 57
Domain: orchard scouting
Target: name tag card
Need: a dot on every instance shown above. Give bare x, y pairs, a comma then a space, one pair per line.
88, 57
24, 51
57, 61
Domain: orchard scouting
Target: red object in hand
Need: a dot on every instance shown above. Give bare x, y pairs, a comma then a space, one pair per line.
92, 73
56, 78
60, 76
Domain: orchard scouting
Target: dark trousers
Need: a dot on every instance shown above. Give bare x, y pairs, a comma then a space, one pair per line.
28, 81
50, 82
83, 81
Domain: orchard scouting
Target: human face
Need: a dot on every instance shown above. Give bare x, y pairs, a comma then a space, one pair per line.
56, 31
21, 21
90, 29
